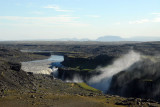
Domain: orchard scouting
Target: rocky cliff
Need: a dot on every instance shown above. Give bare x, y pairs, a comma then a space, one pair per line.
87, 62
141, 80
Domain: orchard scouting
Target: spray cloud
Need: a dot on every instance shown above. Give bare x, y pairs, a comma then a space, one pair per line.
102, 81
76, 79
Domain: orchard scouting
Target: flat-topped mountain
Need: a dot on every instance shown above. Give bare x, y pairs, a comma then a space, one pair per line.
110, 38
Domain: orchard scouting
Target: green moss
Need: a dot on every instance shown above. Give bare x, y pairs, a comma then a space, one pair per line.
78, 69
147, 80
85, 86
87, 70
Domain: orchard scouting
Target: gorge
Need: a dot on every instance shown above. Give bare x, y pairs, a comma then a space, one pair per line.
111, 74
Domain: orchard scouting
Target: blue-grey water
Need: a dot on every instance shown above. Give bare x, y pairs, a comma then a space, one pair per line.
43, 66
56, 58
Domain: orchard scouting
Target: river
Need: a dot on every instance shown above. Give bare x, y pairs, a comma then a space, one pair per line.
46, 66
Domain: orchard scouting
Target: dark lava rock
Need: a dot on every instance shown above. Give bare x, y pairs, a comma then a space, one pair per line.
142, 80
30, 73
87, 62
15, 66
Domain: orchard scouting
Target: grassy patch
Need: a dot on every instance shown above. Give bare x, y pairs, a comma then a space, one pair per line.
87, 70
147, 80
85, 86
78, 69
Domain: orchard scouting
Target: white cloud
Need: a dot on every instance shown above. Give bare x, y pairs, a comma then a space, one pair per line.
139, 21
156, 20
93, 16
44, 21
57, 8
153, 20
156, 13
48, 19
118, 23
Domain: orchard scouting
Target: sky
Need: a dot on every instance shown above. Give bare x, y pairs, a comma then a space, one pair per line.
55, 19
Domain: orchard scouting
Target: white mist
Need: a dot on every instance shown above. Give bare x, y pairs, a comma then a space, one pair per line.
102, 81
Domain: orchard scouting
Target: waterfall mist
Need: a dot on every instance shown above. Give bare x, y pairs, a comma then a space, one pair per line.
76, 79
102, 81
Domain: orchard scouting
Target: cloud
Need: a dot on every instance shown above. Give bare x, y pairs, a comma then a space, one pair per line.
60, 18
118, 23
153, 20
156, 20
49, 21
156, 13
139, 21
57, 8
93, 16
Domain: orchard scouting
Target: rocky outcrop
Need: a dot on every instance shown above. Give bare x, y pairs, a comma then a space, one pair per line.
12, 77
15, 66
82, 67
87, 62
71, 74
141, 80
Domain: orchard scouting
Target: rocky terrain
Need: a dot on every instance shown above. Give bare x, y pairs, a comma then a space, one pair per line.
18, 88
145, 77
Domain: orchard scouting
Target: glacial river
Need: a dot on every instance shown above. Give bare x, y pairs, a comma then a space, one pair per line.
46, 66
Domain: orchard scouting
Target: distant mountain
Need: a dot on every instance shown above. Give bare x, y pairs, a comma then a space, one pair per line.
110, 38
118, 38
102, 39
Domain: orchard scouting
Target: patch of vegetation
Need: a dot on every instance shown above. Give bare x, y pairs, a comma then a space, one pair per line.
79, 69
147, 80
85, 86
87, 70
